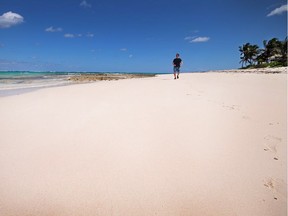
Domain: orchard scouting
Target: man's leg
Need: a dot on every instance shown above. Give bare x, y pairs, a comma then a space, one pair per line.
174, 72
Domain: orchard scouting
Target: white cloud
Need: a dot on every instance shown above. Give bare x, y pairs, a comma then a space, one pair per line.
195, 39
278, 11
52, 29
90, 35
10, 19
85, 4
69, 35
189, 38
124, 49
200, 39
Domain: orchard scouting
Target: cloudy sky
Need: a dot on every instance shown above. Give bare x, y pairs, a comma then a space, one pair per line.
134, 35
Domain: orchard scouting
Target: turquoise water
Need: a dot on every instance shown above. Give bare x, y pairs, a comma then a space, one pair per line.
29, 74
46, 75
14, 82
10, 80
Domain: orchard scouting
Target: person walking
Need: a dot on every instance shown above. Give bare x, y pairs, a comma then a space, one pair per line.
177, 62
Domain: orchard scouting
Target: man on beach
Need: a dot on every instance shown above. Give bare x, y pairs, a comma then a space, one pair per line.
177, 62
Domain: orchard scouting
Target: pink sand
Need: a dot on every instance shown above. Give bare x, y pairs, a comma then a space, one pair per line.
208, 144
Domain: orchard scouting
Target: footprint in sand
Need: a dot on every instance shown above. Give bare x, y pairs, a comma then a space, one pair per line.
277, 186
271, 143
271, 123
231, 107
269, 183
246, 117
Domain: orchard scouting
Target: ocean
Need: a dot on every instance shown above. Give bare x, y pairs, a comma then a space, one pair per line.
16, 82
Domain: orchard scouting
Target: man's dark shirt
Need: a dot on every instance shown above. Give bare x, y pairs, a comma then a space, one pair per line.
177, 62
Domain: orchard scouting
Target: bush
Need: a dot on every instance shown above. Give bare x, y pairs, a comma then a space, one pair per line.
265, 65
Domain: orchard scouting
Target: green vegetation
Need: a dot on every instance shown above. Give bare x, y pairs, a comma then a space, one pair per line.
274, 54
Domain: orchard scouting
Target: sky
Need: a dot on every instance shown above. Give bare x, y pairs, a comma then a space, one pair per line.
134, 35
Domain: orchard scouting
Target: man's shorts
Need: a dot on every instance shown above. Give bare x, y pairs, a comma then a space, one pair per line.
176, 69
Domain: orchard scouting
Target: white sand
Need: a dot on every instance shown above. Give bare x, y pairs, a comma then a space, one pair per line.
211, 144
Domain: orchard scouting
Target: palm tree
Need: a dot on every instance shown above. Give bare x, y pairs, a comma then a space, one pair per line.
243, 53
249, 53
284, 52
274, 52
264, 53
272, 49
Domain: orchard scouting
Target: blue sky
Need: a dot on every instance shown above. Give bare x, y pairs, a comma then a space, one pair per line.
134, 35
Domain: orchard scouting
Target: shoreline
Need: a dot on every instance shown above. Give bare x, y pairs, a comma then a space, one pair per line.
85, 78
70, 80
275, 70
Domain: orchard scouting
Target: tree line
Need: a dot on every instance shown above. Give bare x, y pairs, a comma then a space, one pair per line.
273, 54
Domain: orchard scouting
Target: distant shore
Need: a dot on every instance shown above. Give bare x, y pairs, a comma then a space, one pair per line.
92, 77
267, 70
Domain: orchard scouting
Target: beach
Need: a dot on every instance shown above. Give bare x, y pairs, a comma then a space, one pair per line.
207, 144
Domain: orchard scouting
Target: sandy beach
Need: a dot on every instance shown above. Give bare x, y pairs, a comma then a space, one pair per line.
207, 144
